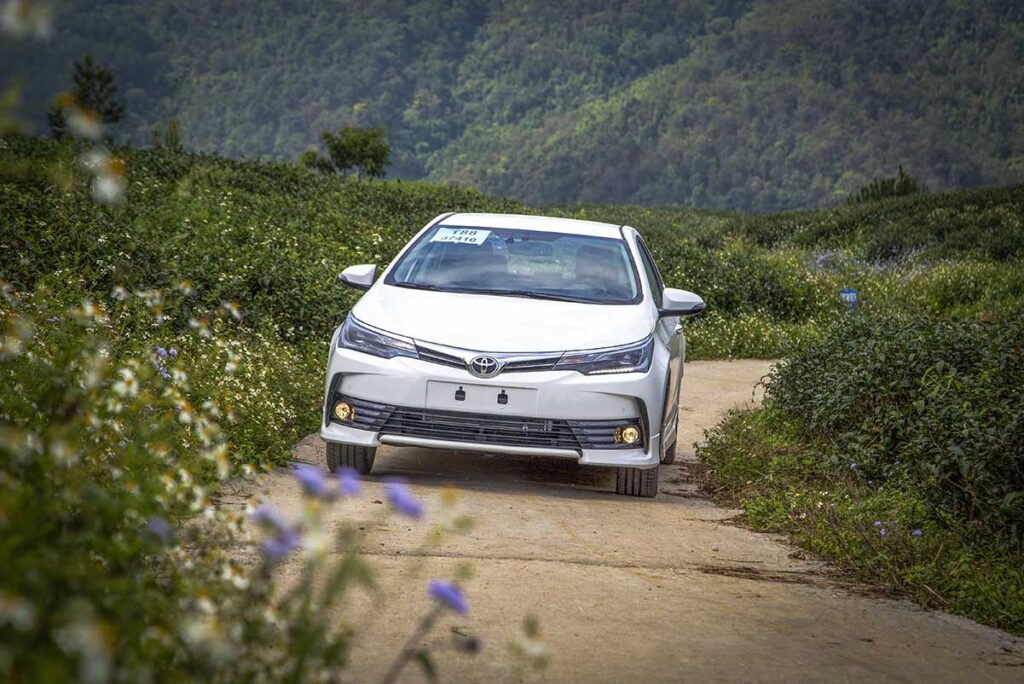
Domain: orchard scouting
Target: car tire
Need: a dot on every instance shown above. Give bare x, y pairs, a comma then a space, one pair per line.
670, 454
637, 481
359, 458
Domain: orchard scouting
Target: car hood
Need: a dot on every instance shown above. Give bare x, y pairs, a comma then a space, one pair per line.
494, 323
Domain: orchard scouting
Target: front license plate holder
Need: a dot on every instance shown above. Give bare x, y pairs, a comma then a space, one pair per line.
465, 396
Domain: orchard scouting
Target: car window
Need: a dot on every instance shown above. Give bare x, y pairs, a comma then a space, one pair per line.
504, 261
651, 269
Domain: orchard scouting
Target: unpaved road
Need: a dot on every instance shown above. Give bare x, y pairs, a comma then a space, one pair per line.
626, 590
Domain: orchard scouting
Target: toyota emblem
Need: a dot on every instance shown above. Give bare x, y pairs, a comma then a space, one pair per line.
484, 366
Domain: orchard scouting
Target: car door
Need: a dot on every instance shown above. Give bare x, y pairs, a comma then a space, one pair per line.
669, 331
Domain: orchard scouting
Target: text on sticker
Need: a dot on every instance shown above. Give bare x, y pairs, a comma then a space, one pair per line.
466, 236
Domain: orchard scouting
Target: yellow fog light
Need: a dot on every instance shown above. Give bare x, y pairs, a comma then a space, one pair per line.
343, 411
630, 435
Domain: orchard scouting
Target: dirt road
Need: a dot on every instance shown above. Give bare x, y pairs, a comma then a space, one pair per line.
635, 590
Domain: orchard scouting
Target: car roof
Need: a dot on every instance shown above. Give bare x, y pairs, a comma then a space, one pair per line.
541, 223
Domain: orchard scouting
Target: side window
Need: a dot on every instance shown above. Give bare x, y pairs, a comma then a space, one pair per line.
653, 277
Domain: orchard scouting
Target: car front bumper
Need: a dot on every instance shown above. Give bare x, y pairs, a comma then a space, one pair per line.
413, 384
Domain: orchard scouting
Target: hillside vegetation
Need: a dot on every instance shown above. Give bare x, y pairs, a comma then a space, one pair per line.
272, 238
742, 104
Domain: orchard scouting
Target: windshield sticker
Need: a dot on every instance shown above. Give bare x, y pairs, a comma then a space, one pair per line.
466, 236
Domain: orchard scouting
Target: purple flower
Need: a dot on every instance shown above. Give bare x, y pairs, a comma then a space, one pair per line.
403, 501
870, 482
348, 481
285, 537
160, 528
172, 351
853, 466
312, 480
53, 319
160, 351
280, 545
916, 533
449, 595
881, 532
878, 523
268, 516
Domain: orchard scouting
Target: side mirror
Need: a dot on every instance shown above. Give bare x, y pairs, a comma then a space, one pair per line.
360, 277
680, 303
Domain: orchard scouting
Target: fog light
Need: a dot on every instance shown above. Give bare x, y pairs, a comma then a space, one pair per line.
343, 411
630, 435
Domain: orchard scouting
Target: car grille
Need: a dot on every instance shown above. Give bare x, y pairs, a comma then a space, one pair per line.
482, 428
513, 362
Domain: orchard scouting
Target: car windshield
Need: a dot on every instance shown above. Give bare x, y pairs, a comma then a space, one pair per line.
521, 263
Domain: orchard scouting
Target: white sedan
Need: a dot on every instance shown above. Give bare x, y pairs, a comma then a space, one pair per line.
517, 335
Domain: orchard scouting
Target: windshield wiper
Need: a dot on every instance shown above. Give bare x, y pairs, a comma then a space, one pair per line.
532, 294
422, 286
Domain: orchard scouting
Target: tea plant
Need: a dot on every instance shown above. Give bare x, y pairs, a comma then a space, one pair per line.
894, 447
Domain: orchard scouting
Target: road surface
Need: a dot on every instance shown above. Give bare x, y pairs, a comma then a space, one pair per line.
666, 589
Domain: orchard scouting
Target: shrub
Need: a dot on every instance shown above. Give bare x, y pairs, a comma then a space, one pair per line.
119, 562
874, 530
940, 402
900, 185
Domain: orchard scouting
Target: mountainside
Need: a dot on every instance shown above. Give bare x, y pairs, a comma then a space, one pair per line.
750, 104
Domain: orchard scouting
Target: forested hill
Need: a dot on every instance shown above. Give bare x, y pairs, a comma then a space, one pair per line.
749, 104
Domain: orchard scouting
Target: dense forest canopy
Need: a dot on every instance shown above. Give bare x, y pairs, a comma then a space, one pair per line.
748, 104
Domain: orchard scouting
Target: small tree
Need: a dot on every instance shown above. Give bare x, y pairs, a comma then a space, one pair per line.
94, 91
168, 137
364, 149
895, 186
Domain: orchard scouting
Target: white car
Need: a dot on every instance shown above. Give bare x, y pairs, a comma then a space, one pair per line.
516, 335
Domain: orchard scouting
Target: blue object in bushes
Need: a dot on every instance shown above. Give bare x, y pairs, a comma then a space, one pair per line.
850, 296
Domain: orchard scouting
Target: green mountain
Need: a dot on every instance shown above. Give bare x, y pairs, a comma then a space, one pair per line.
748, 104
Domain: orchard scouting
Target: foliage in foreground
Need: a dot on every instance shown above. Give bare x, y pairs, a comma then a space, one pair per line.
120, 563
896, 450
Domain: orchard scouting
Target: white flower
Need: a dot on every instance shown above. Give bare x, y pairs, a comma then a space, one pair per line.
108, 189
127, 386
17, 612
94, 160
24, 18
82, 123
232, 308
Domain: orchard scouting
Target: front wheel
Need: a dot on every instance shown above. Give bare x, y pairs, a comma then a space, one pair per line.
637, 481
359, 458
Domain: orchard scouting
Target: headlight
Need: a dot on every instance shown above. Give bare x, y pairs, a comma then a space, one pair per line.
628, 358
361, 337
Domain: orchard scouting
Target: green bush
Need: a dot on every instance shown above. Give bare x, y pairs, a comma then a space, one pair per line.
120, 564
940, 402
876, 530
115, 556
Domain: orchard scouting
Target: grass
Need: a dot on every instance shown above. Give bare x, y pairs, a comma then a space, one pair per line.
881, 533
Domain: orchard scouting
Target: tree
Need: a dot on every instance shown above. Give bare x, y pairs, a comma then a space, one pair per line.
895, 186
93, 92
364, 149
168, 137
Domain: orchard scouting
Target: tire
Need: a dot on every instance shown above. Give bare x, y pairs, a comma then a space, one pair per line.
670, 455
637, 481
358, 457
